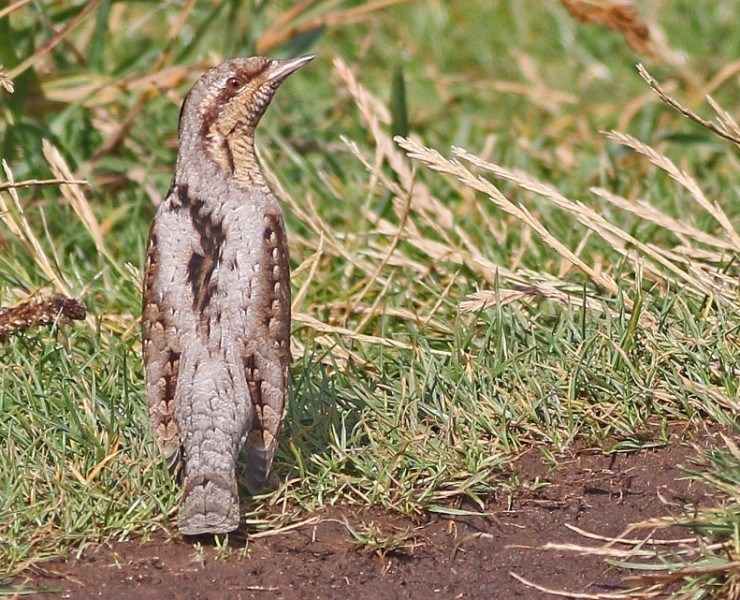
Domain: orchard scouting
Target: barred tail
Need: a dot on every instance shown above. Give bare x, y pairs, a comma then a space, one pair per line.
261, 448
210, 504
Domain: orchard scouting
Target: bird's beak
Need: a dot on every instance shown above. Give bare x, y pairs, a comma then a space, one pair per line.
280, 69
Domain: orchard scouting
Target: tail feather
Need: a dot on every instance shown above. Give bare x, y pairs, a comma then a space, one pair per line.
259, 462
210, 504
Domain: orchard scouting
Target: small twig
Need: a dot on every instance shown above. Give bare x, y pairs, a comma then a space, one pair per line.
626, 541
627, 595
285, 529
32, 182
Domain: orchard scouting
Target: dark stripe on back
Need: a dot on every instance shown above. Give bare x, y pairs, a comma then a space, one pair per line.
183, 195
201, 266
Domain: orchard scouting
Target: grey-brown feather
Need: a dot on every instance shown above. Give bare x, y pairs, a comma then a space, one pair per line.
216, 308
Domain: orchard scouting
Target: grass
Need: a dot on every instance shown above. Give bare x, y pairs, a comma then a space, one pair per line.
538, 284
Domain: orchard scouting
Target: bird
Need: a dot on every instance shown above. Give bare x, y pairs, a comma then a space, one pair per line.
216, 298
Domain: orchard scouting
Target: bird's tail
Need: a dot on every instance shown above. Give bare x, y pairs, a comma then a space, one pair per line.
210, 504
260, 452
211, 423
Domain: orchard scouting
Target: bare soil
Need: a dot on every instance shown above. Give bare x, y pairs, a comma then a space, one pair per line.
442, 557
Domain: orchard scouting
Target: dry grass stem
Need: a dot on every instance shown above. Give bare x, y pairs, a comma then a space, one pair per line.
5, 82
74, 195
485, 299
682, 574
682, 178
373, 277
615, 236
16, 222
647, 212
628, 595
112, 141
307, 212
13, 7
697, 278
723, 399
437, 162
727, 129
604, 551
34, 182
316, 325
311, 264
726, 119
628, 541
94, 90
285, 529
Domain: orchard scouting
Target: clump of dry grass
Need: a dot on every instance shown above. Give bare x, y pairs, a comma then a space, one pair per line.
14, 217
698, 263
43, 252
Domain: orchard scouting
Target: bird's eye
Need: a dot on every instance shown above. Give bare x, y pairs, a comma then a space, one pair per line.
233, 83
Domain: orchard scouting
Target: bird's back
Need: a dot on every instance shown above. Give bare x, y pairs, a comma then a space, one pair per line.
224, 291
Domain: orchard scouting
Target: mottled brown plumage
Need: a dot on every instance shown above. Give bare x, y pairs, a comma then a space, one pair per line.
216, 306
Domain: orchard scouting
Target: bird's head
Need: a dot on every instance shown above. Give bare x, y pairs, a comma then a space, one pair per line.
222, 110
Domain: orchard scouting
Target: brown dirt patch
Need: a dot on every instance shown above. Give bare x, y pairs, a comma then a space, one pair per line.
461, 557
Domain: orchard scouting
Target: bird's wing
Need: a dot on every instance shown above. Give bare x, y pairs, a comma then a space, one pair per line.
266, 354
161, 356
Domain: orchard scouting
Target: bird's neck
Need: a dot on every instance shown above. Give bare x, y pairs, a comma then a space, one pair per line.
233, 158
241, 160
236, 155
